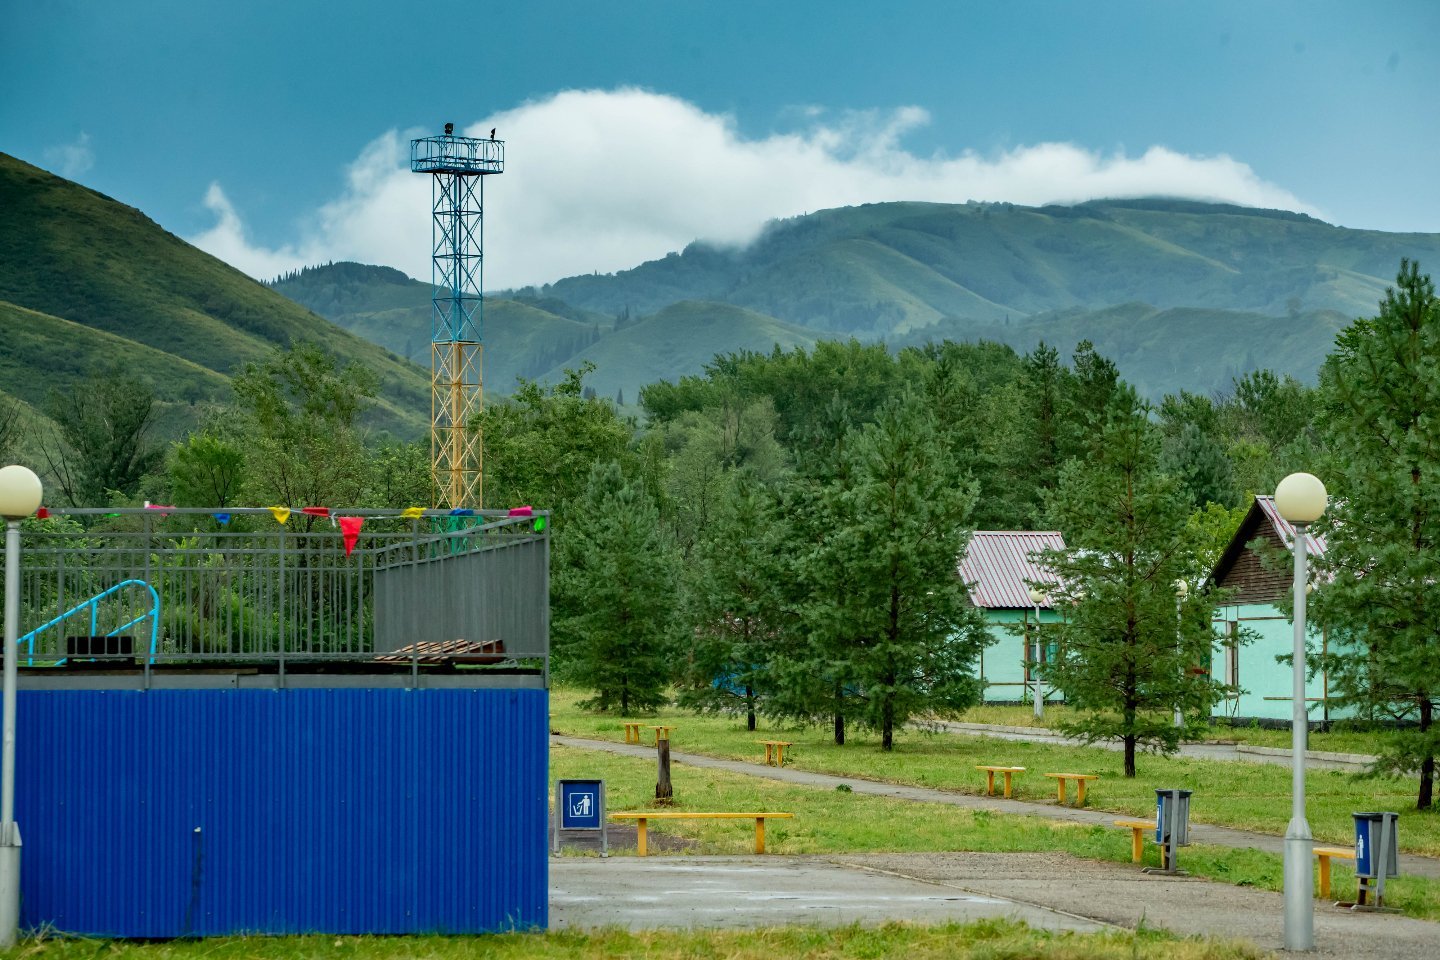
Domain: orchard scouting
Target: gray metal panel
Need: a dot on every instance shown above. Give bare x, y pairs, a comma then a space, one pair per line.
497, 593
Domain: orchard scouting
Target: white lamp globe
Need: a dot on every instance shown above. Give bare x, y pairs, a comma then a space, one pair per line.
1182, 589
20, 492
1301, 498
1037, 596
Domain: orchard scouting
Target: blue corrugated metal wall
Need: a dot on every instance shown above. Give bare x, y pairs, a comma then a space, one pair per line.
198, 812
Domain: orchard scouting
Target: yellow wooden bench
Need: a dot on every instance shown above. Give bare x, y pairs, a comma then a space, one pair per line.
641, 816
661, 733
1080, 780
1324, 854
775, 751
990, 778
632, 730
1138, 829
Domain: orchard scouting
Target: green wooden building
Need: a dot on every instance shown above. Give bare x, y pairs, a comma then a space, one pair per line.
999, 567
1260, 687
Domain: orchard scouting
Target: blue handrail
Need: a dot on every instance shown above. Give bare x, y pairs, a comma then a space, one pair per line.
93, 604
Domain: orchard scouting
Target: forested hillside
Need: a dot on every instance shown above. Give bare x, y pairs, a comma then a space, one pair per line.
87, 283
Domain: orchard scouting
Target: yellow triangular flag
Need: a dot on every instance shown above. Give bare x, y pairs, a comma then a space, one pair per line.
281, 514
413, 513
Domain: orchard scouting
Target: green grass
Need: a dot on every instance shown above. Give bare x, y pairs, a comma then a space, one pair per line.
1337, 739
989, 939
831, 821
1248, 796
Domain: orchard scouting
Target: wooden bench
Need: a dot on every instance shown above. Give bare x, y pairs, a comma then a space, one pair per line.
632, 731
990, 778
661, 733
1080, 780
775, 751
1324, 854
1138, 829
641, 816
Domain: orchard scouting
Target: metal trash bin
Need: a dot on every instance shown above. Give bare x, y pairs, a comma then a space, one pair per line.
1377, 853
1172, 817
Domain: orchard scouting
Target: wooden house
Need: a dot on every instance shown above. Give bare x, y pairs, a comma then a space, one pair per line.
999, 566
1261, 686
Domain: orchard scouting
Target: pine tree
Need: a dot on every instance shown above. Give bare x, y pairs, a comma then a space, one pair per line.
734, 605
1126, 647
902, 626
1380, 393
615, 596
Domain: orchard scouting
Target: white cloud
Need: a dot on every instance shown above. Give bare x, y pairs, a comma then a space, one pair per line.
602, 180
71, 160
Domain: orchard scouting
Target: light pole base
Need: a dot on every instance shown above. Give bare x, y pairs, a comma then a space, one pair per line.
9, 885
1299, 884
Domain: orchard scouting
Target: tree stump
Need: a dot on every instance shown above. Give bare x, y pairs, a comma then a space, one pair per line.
664, 794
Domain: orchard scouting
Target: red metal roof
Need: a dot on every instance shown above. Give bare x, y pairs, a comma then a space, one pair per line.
1314, 545
999, 566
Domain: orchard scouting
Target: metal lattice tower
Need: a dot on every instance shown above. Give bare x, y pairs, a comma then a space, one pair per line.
458, 167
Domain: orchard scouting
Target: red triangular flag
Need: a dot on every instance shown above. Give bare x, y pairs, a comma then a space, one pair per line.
42, 512
350, 532
316, 511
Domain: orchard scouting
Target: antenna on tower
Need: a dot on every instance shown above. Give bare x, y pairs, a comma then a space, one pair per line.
458, 167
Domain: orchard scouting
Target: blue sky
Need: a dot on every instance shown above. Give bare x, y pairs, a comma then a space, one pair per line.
273, 133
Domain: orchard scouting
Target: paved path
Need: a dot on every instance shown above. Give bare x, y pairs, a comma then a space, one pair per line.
1410, 864
735, 892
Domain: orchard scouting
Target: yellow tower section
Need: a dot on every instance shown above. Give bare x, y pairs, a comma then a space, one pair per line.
457, 396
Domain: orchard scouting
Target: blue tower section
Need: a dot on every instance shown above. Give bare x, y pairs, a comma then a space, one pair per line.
458, 167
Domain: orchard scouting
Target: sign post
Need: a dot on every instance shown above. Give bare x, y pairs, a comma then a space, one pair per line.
580, 805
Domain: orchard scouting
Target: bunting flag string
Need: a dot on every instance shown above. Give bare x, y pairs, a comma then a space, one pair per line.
350, 532
282, 514
413, 513
41, 513
315, 511
223, 518
522, 512
462, 512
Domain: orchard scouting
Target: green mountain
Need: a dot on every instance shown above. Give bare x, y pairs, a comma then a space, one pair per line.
87, 282
678, 340
522, 339
893, 267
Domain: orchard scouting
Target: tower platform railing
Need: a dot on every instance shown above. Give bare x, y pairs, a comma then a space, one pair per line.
451, 154
237, 587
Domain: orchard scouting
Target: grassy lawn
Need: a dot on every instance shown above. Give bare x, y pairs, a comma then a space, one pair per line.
1243, 795
991, 940
1339, 740
829, 821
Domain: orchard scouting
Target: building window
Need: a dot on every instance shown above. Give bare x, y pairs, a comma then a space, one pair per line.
1232, 653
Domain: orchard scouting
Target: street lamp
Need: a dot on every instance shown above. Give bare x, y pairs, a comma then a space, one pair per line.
1037, 597
1182, 590
20, 495
1300, 498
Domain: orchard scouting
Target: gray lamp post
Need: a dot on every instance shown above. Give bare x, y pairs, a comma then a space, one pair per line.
1301, 500
20, 495
1182, 590
1037, 597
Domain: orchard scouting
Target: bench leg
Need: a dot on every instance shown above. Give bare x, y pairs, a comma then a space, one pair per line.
1080, 793
779, 755
1137, 844
1060, 790
1324, 875
759, 834
1007, 784
640, 837
989, 783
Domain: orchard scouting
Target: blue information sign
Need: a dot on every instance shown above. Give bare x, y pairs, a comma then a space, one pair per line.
581, 804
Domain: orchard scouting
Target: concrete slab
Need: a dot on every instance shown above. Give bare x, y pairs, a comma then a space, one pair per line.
743, 892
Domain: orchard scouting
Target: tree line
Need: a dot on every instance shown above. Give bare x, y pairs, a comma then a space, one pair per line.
778, 535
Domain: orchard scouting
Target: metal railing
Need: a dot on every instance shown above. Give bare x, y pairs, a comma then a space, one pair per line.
239, 586
93, 606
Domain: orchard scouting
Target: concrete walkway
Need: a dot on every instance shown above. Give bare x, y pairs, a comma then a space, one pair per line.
1410, 864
